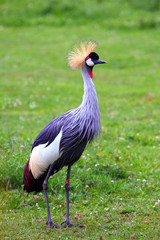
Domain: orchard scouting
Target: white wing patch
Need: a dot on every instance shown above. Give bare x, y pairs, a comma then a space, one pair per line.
42, 156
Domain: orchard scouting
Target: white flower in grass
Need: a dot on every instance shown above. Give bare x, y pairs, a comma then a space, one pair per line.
106, 209
37, 205
157, 203
121, 138
32, 105
21, 118
17, 103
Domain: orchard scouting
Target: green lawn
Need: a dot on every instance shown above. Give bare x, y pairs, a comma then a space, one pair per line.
122, 168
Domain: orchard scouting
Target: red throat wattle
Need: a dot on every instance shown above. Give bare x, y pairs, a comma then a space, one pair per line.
90, 73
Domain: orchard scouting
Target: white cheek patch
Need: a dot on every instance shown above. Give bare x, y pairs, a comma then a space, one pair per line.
89, 62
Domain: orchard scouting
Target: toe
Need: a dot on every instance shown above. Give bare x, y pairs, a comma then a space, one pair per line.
69, 224
51, 224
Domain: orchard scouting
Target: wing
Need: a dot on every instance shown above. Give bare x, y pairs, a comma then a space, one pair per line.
45, 149
49, 132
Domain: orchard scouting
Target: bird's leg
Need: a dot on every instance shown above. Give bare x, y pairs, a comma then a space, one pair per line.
67, 187
45, 188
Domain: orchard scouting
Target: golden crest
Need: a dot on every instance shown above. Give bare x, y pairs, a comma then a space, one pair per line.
76, 58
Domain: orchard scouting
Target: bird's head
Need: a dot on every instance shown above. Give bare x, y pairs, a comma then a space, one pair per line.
91, 61
84, 56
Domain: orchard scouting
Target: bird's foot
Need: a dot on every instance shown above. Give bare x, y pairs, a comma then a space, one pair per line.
51, 224
69, 224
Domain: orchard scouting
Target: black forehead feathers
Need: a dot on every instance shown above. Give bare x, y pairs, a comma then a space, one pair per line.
94, 56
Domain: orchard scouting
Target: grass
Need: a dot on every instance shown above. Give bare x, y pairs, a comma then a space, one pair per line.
115, 185
111, 14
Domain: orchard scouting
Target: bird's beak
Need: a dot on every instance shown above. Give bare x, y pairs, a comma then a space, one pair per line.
99, 61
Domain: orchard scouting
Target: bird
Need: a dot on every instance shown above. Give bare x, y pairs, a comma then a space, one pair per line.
63, 140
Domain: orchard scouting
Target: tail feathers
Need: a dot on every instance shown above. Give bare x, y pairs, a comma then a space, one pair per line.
30, 183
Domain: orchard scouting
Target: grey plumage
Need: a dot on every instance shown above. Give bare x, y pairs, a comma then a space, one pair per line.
79, 126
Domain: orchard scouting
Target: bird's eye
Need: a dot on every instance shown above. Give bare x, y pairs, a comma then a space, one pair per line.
89, 62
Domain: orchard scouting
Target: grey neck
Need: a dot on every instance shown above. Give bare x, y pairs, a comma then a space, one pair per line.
89, 107
90, 96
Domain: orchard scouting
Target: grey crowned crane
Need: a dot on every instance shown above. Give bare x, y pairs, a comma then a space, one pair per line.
62, 142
